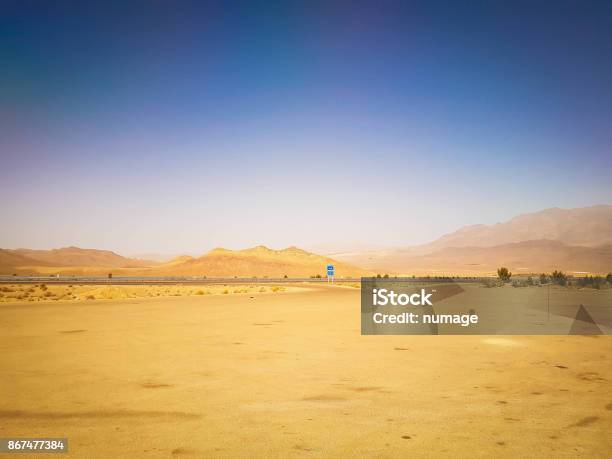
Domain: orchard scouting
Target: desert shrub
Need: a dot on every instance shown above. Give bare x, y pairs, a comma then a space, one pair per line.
200, 292
276, 288
609, 278
48, 294
503, 274
43, 287
225, 292
591, 281
90, 297
558, 277
262, 289
530, 281
7, 289
489, 282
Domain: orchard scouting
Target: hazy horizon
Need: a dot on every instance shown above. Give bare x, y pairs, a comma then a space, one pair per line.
179, 128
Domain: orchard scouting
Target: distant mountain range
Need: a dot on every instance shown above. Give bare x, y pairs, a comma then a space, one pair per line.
585, 226
258, 261
572, 240
73, 256
575, 240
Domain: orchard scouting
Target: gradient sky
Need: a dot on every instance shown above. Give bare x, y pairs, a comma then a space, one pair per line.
172, 127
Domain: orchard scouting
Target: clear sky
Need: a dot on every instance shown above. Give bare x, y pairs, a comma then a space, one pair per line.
173, 127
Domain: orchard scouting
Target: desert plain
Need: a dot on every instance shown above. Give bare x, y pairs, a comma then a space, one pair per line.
286, 373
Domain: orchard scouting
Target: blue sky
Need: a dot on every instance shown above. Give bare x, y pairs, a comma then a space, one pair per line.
165, 127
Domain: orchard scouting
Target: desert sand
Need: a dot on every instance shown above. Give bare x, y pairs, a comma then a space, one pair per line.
288, 374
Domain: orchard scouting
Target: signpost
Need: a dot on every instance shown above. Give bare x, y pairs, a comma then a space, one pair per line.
330, 273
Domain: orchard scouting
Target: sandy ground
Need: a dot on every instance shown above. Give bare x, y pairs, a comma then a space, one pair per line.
288, 374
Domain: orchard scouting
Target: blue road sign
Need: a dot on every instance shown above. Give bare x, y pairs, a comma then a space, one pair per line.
330, 267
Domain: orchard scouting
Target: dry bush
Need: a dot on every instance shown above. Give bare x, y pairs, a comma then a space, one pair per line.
90, 297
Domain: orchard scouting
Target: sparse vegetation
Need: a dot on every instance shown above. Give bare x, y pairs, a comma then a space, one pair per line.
489, 282
558, 277
503, 274
595, 282
519, 283
53, 292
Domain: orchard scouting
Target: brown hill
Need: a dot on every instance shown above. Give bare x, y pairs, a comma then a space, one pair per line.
257, 261
521, 257
568, 239
28, 260
585, 226
10, 260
